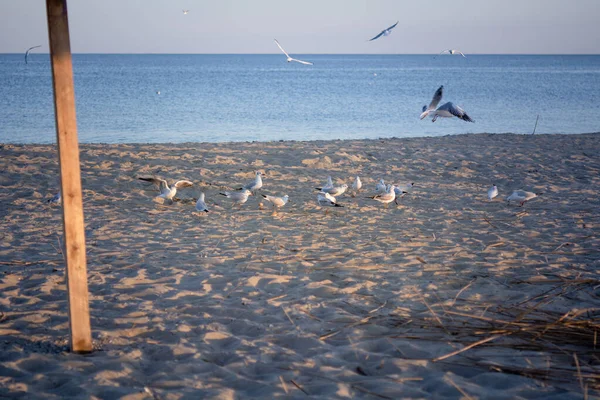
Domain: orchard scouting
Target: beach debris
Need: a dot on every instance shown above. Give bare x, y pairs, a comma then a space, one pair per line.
521, 196
290, 59
492, 192
167, 192
453, 52
335, 190
200, 204
387, 197
238, 198
356, 186
385, 32
277, 202
447, 110
255, 185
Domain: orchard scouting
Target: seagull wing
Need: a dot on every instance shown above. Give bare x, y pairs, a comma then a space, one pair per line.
378, 36
462, 54
29, 49
393, 26
445, 51
183, 183
456, 111
281, 48
437, 97
161, 183
302, 62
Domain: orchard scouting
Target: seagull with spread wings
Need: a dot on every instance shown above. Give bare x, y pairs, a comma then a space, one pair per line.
447, 110
385, 32
453, 52
290, 59
167, 192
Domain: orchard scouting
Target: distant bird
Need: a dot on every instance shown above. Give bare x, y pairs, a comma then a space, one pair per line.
335, 190
325, 199
290, 59
200, 204
55, 199
385, 32
521, 196
387, 197
447, 110
356, 186
167, 192
256, 184
380, 187
238, 198
453, 52
277, 202
492, 192
185, 11
158, 92
29, 49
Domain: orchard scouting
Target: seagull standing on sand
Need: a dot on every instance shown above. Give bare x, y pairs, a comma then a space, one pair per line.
387, 197
29, 49
385, 32
277, 202
521, 196
453, 52
238, 198
325, 199
380, 187
356, 186
447, 110
290, 59
54, 199
335, 190
255, 185
200, 204
402, 189
167, 192
492, 192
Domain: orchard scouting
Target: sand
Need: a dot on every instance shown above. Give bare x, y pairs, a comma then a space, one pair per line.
310, 302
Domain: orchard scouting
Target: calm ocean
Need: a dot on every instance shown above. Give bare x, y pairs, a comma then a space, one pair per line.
218, 98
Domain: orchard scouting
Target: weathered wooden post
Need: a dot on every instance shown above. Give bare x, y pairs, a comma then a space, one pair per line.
70, 175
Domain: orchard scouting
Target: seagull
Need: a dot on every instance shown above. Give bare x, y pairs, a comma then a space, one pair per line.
29, 49
255, 184
325, 199
492, 192
521, 196
335, 190
54, 199
277, 202
185, 11
385, 32
290, 59
401, 190
238, 198
158, 92
387, 197
453, 52
447, 110
356, 186
200, 204
165, 191
381, 187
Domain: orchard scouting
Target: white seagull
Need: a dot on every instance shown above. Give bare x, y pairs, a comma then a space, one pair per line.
200, 204
380, 187
29, 49
385, 32
447, 110
453, 52
387, 197
402, 189
521, 196
290, 59
238, 198
167, 192
325, 199
256, 184
335, 190
356, 186
185, 11
492, 192
54, 199
277, 202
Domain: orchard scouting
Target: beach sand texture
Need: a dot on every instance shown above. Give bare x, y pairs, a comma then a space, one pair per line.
359, 302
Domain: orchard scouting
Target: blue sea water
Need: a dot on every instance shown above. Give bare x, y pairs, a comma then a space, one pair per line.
220, 98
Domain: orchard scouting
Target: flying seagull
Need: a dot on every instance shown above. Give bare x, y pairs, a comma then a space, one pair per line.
167, 192
29, 49
185, 11
447, 110
385, 32
290, 59
453, 52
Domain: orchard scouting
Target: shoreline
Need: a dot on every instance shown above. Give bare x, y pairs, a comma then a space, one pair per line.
360, 301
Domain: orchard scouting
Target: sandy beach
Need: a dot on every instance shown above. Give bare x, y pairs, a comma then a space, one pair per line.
446, 295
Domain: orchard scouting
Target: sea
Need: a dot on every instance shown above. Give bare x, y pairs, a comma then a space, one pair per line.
159, 98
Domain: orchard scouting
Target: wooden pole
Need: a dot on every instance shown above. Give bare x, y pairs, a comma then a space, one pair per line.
70, 175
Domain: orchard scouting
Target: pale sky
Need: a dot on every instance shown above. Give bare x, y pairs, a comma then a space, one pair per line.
311, 26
